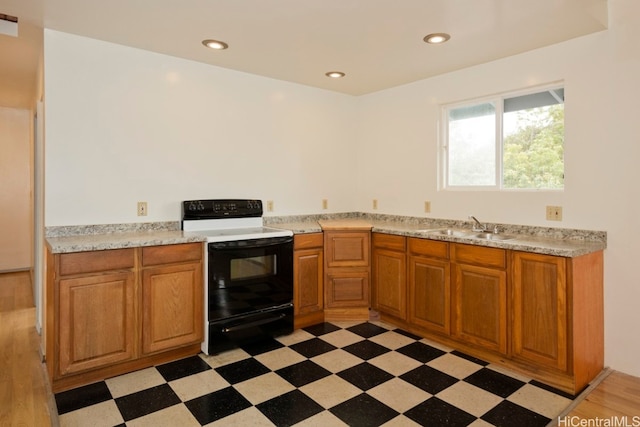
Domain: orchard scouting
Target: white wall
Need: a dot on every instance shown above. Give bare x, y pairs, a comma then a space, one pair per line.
125, 125
398, 148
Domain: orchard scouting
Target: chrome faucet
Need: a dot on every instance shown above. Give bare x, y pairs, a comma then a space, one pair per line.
478, 226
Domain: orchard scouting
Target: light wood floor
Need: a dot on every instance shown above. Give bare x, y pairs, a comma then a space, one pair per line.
23, 390
25, 396
616, 397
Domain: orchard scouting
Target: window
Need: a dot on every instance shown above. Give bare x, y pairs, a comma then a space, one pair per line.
512, 142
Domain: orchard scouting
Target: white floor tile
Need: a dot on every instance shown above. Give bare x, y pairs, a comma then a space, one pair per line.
105, 414
265, 387
280, 358
176, 415
469, 398
134, 382
541, 401
330, 391
199, 384
398, 394
455, 366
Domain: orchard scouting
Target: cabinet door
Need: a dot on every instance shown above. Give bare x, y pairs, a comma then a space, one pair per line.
347, 289
540, 309
347, 248
97, 321
480, 306
172, 306
307, 281
429, 293
390, 282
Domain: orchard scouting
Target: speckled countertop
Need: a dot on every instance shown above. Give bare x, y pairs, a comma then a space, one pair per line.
542, 240
83, 238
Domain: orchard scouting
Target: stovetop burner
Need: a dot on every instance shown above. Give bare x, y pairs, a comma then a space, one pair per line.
221, 220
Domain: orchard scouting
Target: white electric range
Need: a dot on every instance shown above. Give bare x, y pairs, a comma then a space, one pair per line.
248, 272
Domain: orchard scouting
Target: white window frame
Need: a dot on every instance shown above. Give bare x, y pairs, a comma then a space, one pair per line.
443, 140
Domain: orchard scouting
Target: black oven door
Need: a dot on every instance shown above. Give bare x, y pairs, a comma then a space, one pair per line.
246, 276
250, 291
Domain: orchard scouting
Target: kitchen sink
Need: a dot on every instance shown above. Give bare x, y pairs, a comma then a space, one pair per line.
492, 236
453, 232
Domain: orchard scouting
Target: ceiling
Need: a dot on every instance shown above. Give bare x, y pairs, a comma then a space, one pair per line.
377, 43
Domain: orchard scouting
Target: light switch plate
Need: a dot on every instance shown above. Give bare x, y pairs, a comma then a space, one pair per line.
554, 213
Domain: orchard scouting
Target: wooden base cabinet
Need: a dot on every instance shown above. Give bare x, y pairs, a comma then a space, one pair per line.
429, 285
308, 289
541, 315
172, 297
389, 272
97, 318
114, 311
480, 296
558, 316
346, 273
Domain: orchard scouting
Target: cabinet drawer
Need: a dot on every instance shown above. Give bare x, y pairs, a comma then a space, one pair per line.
347, 249
305, 241
96, 261
389, 241
428, 247
167, 254
478, 255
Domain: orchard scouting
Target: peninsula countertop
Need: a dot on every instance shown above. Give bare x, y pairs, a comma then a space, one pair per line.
548, 241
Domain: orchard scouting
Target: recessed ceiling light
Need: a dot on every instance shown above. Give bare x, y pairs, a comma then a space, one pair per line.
215, 44
335, 74
436, 38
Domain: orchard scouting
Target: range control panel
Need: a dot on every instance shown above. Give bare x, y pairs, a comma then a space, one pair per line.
221, 208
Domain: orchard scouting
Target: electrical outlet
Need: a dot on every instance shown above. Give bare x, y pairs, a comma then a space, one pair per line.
427, 206
142, 208
554, 213
375, 203
325, 204
269, 205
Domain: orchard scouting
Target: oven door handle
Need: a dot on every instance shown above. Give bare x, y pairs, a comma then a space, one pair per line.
251, 243
252, 324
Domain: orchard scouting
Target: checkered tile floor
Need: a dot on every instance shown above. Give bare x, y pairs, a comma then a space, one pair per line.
332, 374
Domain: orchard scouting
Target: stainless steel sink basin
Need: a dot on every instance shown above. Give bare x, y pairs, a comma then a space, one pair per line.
492, 236
453, 232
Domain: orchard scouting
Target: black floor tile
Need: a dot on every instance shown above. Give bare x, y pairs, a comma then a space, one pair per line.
363, 411
81, 397
214, 406
428, 379
494, 382
435, 412
182, 368
365, 376
366, 349
289, 408
242, 370
407, 334
553, 390
367, 330
303, 373
295, 406
508, 414
421, 352
144, 402
469, 358
322, 329
262, 346
313, 347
